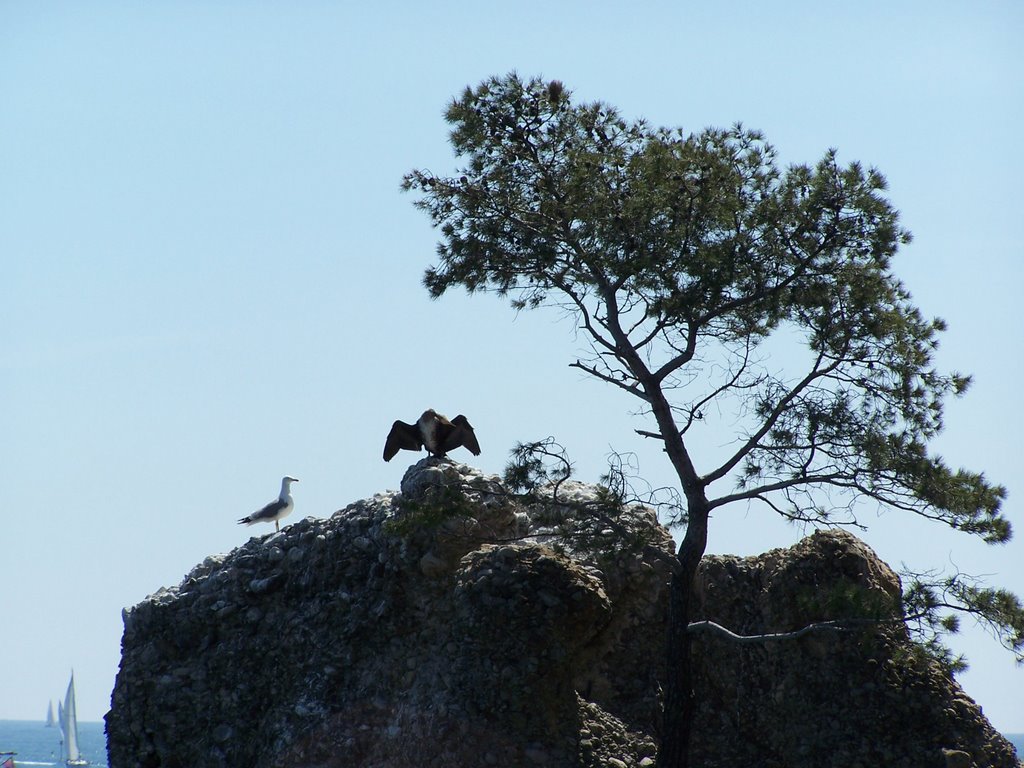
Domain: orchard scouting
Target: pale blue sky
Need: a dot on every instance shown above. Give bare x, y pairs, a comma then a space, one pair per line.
210, 278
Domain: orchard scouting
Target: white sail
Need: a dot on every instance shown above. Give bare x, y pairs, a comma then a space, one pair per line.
49, 716
60, 725
70, 753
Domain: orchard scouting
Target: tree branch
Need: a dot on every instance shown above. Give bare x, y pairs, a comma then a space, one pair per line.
836, 625
645, 433
680, 360
756, 493
633, 389
772, 418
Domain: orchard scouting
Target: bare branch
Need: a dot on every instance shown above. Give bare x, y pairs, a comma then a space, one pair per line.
836, 625
631, 388
682, 359
645, 433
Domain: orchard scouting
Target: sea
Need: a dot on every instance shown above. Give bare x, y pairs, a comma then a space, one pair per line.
35, 744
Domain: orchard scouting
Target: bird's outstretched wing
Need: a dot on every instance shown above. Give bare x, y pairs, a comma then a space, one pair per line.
462, 434
401, 436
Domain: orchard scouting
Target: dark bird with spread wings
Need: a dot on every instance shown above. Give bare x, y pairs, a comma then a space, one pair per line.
276, 509
433, 432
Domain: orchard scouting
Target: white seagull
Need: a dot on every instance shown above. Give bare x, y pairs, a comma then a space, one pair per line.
277, 509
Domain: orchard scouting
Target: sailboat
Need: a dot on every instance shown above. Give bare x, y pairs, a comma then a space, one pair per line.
49, 716
70, 754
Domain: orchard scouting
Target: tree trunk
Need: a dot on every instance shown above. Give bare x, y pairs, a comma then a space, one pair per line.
677, 709
678, 706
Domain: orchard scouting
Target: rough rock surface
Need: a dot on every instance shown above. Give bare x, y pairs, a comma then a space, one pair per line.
451, 625
830, 699
446, 625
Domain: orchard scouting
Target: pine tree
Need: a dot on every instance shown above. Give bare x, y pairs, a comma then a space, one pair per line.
681, 255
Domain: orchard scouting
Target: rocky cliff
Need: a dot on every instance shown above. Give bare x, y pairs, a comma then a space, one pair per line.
450, 624
862, 697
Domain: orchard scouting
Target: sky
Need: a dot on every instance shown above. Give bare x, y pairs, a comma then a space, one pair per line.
209, 276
